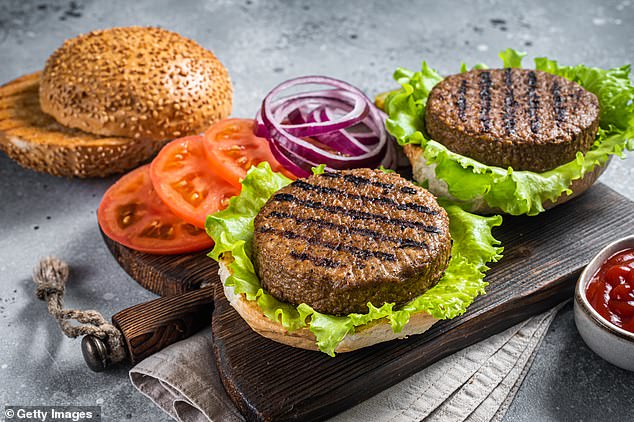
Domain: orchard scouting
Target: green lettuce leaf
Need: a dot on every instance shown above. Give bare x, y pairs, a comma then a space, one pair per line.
320, 169
232, 230
470, 182
511, 58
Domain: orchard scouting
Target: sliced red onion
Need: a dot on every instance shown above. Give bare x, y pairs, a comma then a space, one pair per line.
287, 163
339, 140
312, 128
345, 94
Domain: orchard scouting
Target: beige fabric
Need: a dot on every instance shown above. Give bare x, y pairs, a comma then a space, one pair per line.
182, 380
476, 384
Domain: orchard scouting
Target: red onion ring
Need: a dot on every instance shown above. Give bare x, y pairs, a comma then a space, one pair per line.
312, 128
332, 97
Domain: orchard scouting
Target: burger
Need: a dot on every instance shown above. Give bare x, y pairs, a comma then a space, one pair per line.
108, 100
511, 140
346, 259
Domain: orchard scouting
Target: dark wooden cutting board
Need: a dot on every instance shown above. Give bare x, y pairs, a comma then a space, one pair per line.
268, 381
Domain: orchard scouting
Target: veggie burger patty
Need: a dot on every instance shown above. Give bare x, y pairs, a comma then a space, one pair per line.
337, 241
526, 119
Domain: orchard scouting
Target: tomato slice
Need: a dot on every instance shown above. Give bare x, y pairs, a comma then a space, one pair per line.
132, 214
233, 149
186, 181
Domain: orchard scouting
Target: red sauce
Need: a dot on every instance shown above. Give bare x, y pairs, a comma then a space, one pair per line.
611, 290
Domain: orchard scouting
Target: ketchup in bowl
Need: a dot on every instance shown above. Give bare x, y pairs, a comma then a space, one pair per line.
611, 290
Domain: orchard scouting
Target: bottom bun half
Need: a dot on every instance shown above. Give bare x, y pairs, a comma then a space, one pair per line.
37, 141
423, 171
364, 336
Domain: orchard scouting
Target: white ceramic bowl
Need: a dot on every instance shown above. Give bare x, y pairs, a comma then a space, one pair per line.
612, 343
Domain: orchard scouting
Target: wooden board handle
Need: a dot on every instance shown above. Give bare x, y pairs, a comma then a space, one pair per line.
151, 326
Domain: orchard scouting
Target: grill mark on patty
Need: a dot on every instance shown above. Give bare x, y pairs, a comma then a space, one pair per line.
318, 261
324, 224
359, 181
461, 103
408, 190
485, 100
311, 240
533, 102
558, 104
333, 191
509, 103
355, 214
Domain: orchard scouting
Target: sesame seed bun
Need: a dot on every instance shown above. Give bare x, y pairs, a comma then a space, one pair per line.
135, 82
364, 336
36, 141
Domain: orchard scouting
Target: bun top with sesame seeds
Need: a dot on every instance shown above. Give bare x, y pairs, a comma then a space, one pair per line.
136, 82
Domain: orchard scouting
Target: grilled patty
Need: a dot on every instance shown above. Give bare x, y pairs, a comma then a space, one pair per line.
337, 241
525, 119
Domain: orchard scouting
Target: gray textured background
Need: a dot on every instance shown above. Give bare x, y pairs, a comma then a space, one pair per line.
263, 43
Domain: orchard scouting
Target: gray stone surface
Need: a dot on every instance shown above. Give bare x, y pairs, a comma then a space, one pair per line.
263, 43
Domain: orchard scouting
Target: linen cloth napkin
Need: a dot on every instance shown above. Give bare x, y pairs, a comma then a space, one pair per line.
475, 384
